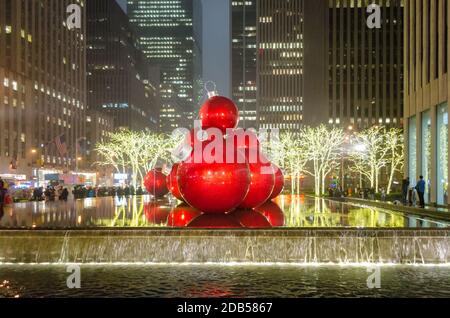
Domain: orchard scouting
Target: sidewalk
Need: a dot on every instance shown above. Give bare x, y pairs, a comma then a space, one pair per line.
432, 212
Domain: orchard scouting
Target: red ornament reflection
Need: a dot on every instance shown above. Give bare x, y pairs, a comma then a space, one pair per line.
213, 187
155, 213
272, 212
182, 215
261, 183
279, 182
155, 183
219, 112
214, 221
251, 219
172, 182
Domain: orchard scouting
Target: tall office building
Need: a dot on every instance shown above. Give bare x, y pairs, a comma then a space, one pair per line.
42, 86
280, 63
121, 82
244, 60
365, 64
291, 74
427, 91
165, 32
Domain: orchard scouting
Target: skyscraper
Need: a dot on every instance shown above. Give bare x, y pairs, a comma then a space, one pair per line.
42, 80
244, 60
427, 91
365, 85
165, 32
280, 64
121, 82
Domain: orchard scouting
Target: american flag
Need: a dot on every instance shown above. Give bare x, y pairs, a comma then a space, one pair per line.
61, 145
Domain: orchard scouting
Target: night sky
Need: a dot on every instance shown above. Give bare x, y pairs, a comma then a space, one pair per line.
123, 4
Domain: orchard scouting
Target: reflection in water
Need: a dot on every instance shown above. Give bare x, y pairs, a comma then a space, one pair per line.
137, 211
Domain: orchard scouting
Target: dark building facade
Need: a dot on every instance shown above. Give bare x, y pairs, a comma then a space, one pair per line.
42, 85
244, 60
121, 82
365, 84
280, 64
291, 74
165, 32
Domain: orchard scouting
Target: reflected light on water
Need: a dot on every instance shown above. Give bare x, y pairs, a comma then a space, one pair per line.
291, 211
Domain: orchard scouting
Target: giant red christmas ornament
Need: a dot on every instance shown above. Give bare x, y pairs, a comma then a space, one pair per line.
272, 212
213, 187
197, 136
251, 219
261, 183
155, 213
214, 221
155, 183
172, 182
182, 215
279, 182
219, 112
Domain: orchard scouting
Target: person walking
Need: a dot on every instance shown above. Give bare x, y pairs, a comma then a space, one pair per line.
420, 187
405, 187
64, 195
3, 192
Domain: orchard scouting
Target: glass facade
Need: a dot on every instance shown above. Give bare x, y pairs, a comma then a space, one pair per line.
442, 153
412, 150
426, 152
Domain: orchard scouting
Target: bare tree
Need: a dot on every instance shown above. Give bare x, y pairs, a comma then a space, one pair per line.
370, 154
396, 153
323, 149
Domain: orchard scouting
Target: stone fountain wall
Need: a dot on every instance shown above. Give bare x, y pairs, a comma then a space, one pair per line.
200, 246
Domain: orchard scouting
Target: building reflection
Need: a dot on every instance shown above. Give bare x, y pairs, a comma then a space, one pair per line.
291, 211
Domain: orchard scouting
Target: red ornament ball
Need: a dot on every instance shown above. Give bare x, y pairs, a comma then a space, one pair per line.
279, 182
182, 215
273, 213
211, 186
155, 213
210, 221
155, 183
197, 136
219, 112
251, 219
172, 182
261, 183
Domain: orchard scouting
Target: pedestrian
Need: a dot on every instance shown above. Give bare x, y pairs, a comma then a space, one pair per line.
64, 195
420, 188
2, 198
412, 196
405, 187
383, 194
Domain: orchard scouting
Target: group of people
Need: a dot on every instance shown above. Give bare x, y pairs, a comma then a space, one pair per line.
50, 194
409, 193
81, 192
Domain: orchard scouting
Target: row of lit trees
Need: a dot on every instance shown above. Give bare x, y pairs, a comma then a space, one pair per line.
315, 151
135, 153
320, 151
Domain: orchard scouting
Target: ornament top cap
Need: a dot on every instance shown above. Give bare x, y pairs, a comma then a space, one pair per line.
211, 92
